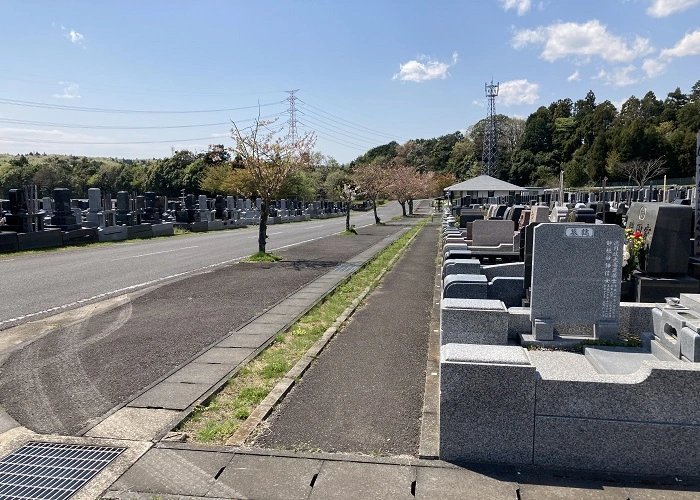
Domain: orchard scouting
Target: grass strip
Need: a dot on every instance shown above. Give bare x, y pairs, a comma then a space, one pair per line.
215, 422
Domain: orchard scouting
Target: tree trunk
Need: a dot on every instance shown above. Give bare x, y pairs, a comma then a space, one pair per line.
377, 220
262, 230
410, 207
347, 216
403, 207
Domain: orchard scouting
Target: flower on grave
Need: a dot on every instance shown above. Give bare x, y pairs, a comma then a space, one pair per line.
632, 252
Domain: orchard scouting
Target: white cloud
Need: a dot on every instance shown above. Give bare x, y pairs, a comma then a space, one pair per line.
653, 67
619, 77
582, 41
70, 91
663, 8
521, 6
75, 37
689, 45
618, 104
481, 104
416, 71
518, 92
574, 77
30, 135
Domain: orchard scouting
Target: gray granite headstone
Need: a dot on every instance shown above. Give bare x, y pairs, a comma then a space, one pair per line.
492, 232
465, 286
576, 273
667, 231
539, 214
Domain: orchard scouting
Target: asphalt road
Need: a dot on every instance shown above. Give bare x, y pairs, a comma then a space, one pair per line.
76, 372
40, 284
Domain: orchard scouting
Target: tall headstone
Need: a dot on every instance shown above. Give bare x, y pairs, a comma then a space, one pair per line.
95, 216
63, 216
123, 216
576, 273
667, 232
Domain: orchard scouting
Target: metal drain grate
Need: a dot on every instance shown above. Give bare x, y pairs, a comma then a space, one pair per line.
346, 268
41, 471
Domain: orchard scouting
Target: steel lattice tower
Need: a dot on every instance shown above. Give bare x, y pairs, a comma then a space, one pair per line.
490, 152
292, 135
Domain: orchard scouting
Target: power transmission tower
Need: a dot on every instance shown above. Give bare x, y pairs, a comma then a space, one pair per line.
490, 153
292, 135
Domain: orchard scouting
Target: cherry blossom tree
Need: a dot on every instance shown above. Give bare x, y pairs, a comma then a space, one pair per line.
269, 160
373, 180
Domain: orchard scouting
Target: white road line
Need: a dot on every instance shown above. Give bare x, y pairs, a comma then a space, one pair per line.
131, 288
300, 242
314, 227
154, 253
7, 260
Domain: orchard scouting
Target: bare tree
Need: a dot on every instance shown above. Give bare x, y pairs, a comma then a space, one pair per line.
641, 171
268, 160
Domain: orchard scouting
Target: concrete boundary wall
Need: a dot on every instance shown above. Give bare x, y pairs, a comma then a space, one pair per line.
647, 422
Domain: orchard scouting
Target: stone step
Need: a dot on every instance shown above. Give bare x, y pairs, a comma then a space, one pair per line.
660, 352
617, 360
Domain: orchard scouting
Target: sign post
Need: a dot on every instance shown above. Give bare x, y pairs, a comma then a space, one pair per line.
697, 197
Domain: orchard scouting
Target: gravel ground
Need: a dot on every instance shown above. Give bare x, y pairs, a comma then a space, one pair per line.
364, 394
74, 374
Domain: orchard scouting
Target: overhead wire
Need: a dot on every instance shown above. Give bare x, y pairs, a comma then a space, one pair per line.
48, 141
43, 105
331, 132
351, 134
121, 127
352, 123
324, 135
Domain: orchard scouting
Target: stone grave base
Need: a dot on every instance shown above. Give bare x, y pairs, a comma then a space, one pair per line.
215, 225
164, 229
140, 231
508, 405
43, 239
79, 236
198, 227
112, 233
656, 289
8, 241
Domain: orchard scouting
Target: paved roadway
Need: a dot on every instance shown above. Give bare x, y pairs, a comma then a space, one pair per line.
35, 285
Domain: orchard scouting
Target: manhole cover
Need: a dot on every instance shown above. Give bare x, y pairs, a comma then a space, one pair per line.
51, 471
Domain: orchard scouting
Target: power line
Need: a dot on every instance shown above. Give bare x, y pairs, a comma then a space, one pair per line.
120, 127
339, 130
340, 143
314, 130
355, 124
32, 104
70, 143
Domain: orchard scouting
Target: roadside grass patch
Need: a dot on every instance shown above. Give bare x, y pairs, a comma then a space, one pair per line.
263, 257
215, 422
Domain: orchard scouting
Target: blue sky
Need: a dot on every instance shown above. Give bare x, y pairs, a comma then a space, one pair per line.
139, 79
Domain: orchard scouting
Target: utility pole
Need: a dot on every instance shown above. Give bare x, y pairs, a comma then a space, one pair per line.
490, 152
292, 135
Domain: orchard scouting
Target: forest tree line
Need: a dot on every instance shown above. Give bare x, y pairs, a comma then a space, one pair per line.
589, 140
